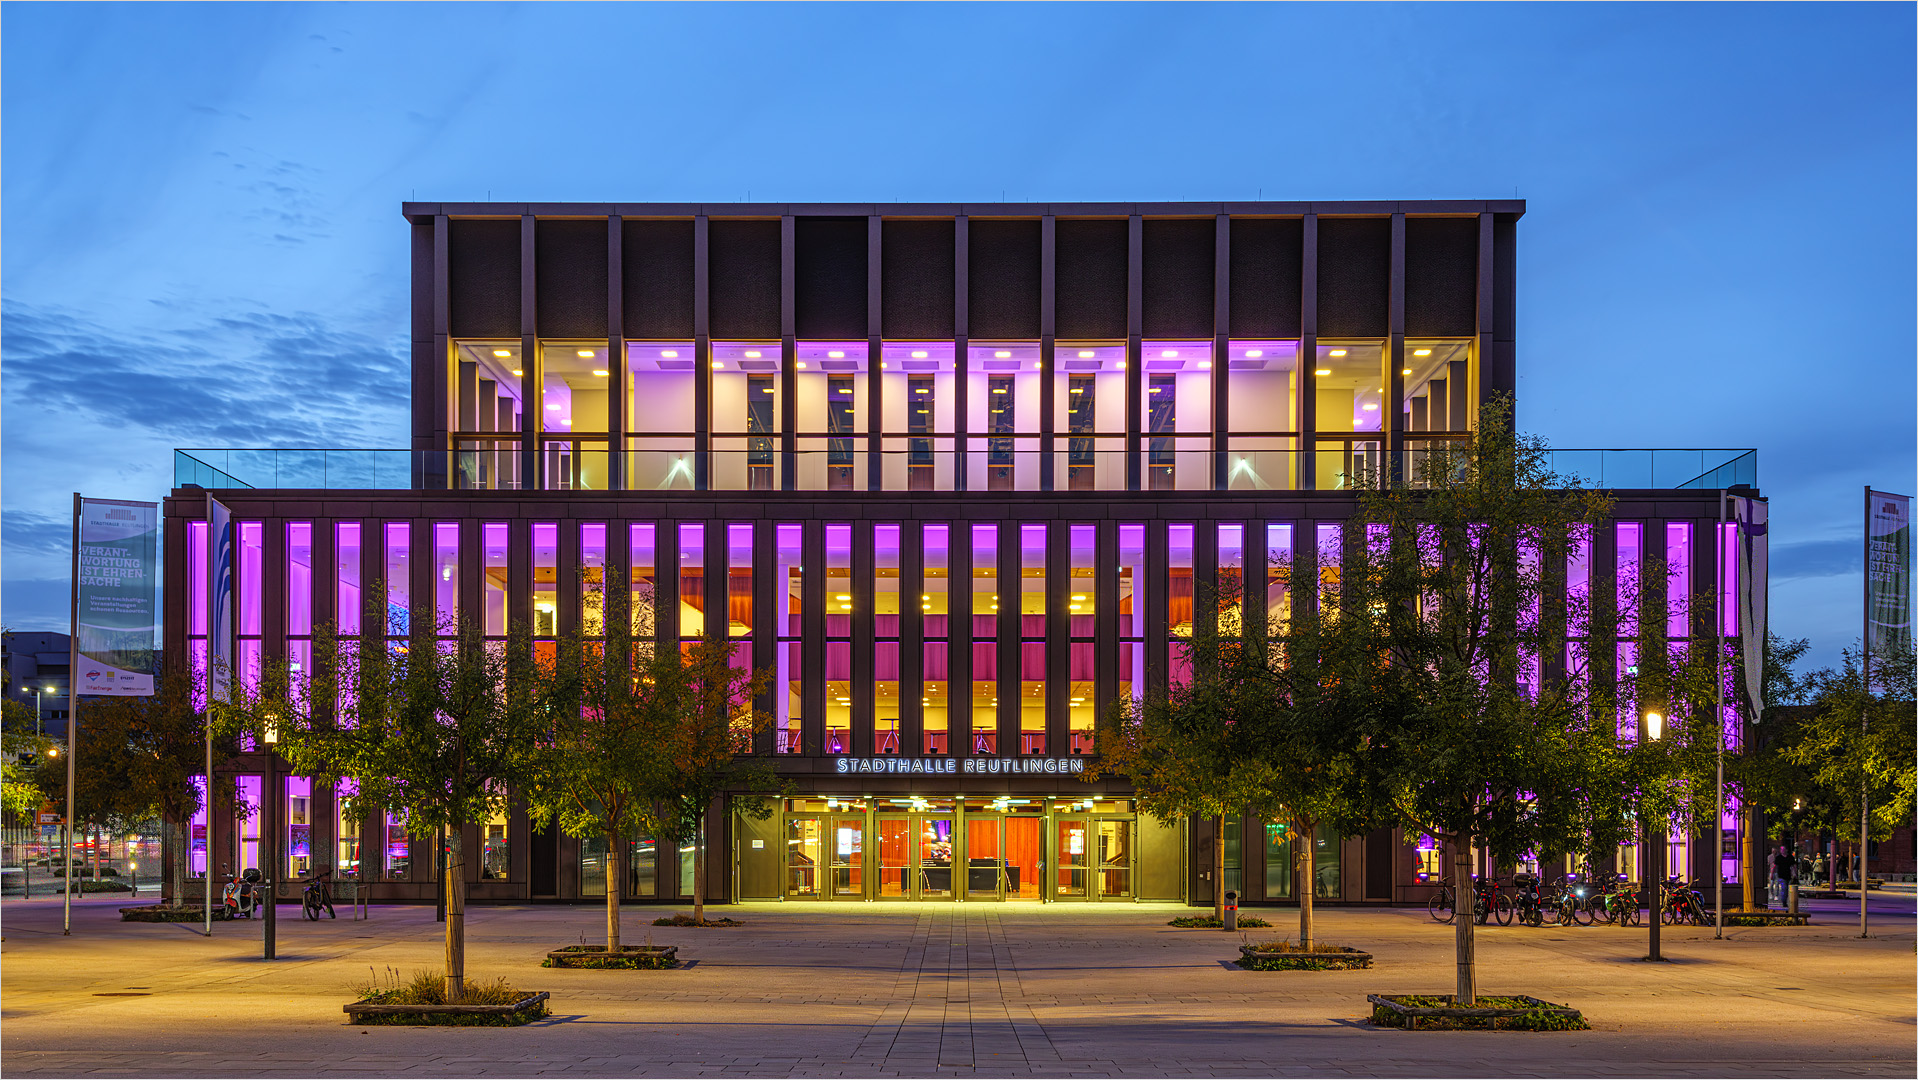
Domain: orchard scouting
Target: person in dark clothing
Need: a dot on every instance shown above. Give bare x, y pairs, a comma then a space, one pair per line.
1783, 866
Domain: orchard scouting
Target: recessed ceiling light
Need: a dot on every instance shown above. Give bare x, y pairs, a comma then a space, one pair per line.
802, 365
567, 421
1085, 354
1322, 371
1335, 352
1168, 353
752, 354
918, 354
1421, 352
1205, 365
502, 352
517, 372
602, 373
1255, 353
1371, 406
717, 365
586, 352
1405, 371
1003, 353
669, 354
552, 404
836, 355
1077, 390
1122, 365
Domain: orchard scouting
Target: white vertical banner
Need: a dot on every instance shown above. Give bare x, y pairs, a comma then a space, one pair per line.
1753, 570
1887, 572
115, 568
219, 601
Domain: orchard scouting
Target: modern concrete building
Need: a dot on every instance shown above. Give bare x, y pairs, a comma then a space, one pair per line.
957, 475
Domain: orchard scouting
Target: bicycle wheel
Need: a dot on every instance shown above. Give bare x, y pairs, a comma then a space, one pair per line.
1440, 906
1502, 910
310, 908
1635, 913
1576, 912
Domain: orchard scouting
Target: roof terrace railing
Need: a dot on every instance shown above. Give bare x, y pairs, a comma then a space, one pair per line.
568, 466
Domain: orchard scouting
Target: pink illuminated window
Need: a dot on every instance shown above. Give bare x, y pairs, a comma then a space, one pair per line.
545, 579
252, 576
838, 676
592, 579
399, 578
299, 578
1630, 553
739, 579
1329, 550
1727, 591
787, 695
641, 573
446, 575
1278, 580
196, 578
1578, 582
935, 701
692, 580
1678, 589
493, 577
347, 599
885, 698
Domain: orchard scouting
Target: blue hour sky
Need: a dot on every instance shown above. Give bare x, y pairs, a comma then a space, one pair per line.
204, 249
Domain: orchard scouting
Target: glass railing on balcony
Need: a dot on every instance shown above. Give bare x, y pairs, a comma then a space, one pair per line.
588, 466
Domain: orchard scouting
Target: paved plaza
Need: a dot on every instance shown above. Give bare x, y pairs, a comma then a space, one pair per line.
963, 990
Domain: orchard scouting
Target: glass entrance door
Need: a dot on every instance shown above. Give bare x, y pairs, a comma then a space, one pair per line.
1024, 858
895, 858
935, 857
985, 862
1115, 859
849, 858
1069, 853
805, 856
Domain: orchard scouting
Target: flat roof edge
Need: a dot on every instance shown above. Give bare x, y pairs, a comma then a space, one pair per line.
419, 211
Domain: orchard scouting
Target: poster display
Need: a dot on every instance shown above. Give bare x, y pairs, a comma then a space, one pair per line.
116, 565
1887, 572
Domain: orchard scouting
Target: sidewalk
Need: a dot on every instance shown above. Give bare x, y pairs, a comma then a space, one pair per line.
976, 989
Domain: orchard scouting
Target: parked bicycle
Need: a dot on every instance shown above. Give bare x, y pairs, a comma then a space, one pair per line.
1441, 904
1569, 900
1682, 903
1530, 908
1620, 903
1490, 903
318, 894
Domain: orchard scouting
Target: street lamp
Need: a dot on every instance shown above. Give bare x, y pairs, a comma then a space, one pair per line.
270, 834
1797, 817
1652, 727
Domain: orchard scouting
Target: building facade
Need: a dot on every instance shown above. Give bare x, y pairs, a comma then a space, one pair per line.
958, 477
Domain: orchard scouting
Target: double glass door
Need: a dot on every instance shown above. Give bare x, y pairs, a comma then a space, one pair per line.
1094, 858
916, 857
1005, 857
826, 857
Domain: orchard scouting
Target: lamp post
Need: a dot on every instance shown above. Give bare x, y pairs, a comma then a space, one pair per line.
270, 835
1652, 728
1797, 814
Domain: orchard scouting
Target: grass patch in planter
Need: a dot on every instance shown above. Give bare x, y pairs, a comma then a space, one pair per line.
1755, 918
168, 913
1490, 1013
629, 957
1285, 956
688, 920
1213, 922
421, 1001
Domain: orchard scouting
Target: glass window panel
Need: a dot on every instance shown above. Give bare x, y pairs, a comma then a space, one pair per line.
496, 849
660, 381
1726, 590
1264, 385
1331, 565
885, 586
838, 675
934, 701
592, 579
1002, 403
642, 867
838, 581
1578, 582
692, 580
1231, 580
885, 697
790, 551
1032, 697
592, 866
1132, 582
1278, 860
1629, 553
739, 579
686, 851
1278, 579
397, 851
574, 384
299, 578
1348, 387
399, 579
935, 589
641, 574
1089, 402
493, 578
1179, 595
917, 393
1326, 854
1032, 580
1081, 708
747, 392
985, 697
1678, 587
196, 569
1176, 414
249, 826
831, 390
1082, 596
446, 575
347, 601
545, 579
252, 577
787, 695
298, 830
1438, 392
346, 831
985, 581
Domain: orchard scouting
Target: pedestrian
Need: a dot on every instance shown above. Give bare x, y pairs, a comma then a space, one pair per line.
1818, 869
1781, 869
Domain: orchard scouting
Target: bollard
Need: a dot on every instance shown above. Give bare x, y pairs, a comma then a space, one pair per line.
1231, 910
1793, 887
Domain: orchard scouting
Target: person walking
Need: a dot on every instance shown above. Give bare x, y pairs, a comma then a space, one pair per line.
1781, 871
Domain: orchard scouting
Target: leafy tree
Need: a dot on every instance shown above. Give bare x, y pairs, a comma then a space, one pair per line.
706, 749
21, 748
1856, 741
436, 730
140, 758
1448, 582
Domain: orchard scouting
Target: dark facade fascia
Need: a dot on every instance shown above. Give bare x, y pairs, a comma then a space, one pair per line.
425, 211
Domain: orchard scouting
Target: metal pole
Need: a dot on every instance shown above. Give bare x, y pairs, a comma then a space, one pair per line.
73, 708
1864, 792
270, 849
1718, 711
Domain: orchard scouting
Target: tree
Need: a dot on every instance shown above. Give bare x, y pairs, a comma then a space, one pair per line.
141, 758
1453, 627
1856, 742
438, 730
21, 748
705, 750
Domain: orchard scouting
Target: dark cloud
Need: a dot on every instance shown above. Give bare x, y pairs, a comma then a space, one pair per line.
1816, 559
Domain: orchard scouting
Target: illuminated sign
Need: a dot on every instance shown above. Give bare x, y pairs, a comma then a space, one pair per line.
946, 766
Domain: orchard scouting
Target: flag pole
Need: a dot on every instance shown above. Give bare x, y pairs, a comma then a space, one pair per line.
73, 710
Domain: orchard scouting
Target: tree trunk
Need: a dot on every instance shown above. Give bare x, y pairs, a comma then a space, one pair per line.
455, 918
1218, 868
1308, 864
1745, 856
1463, 908
182, 855
615, 877
699, 873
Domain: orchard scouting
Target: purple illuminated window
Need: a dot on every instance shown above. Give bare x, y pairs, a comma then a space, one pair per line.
885, 583
739, 579
347, 600
1578, 582
1132, 570
1727, 590
196, 578
1032, 646
1329, 552
935, 702
196, 831
545, 579
788, 539
1032, 697
1179, 585
592, 579
399, 578
787, 695
1230, 582
935, 595
692, 580
839, 581
1678, 590
1630, 552
298, 817
252, 560
838, 675
641, 573
1628, 690
1082, 591
446, 575
1080, 708
346, 830
493, 577
299, 578
249, 826
885, 697
1278, 579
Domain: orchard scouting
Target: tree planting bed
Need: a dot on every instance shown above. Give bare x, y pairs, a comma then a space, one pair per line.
1213, 922
1285, 956
1765, 918
688, 920
629, 957
1491, 1013
380, 1009
169, 913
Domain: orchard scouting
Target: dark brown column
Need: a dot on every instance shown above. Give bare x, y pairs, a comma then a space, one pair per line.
788, 363
959, 637
860, 738
813, 633
1105, 599
1479, 391
616, 420
1048, 323
1134, 321
431, 470
1058, 637
1308, 360
702, 357
875, 362
912, 636
1394, 381
1221, 352
961, 324
531, 470
1011, 637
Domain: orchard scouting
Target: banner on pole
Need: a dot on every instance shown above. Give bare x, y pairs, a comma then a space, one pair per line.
116, 566
1887, 572
1754, 550
219, 606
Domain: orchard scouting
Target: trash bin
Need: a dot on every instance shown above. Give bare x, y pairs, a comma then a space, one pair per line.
1231, 910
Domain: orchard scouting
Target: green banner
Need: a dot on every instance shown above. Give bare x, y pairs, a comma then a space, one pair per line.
116, 568
1887, 572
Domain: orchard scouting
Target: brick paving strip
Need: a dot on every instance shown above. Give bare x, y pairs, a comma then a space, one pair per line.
974, 990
